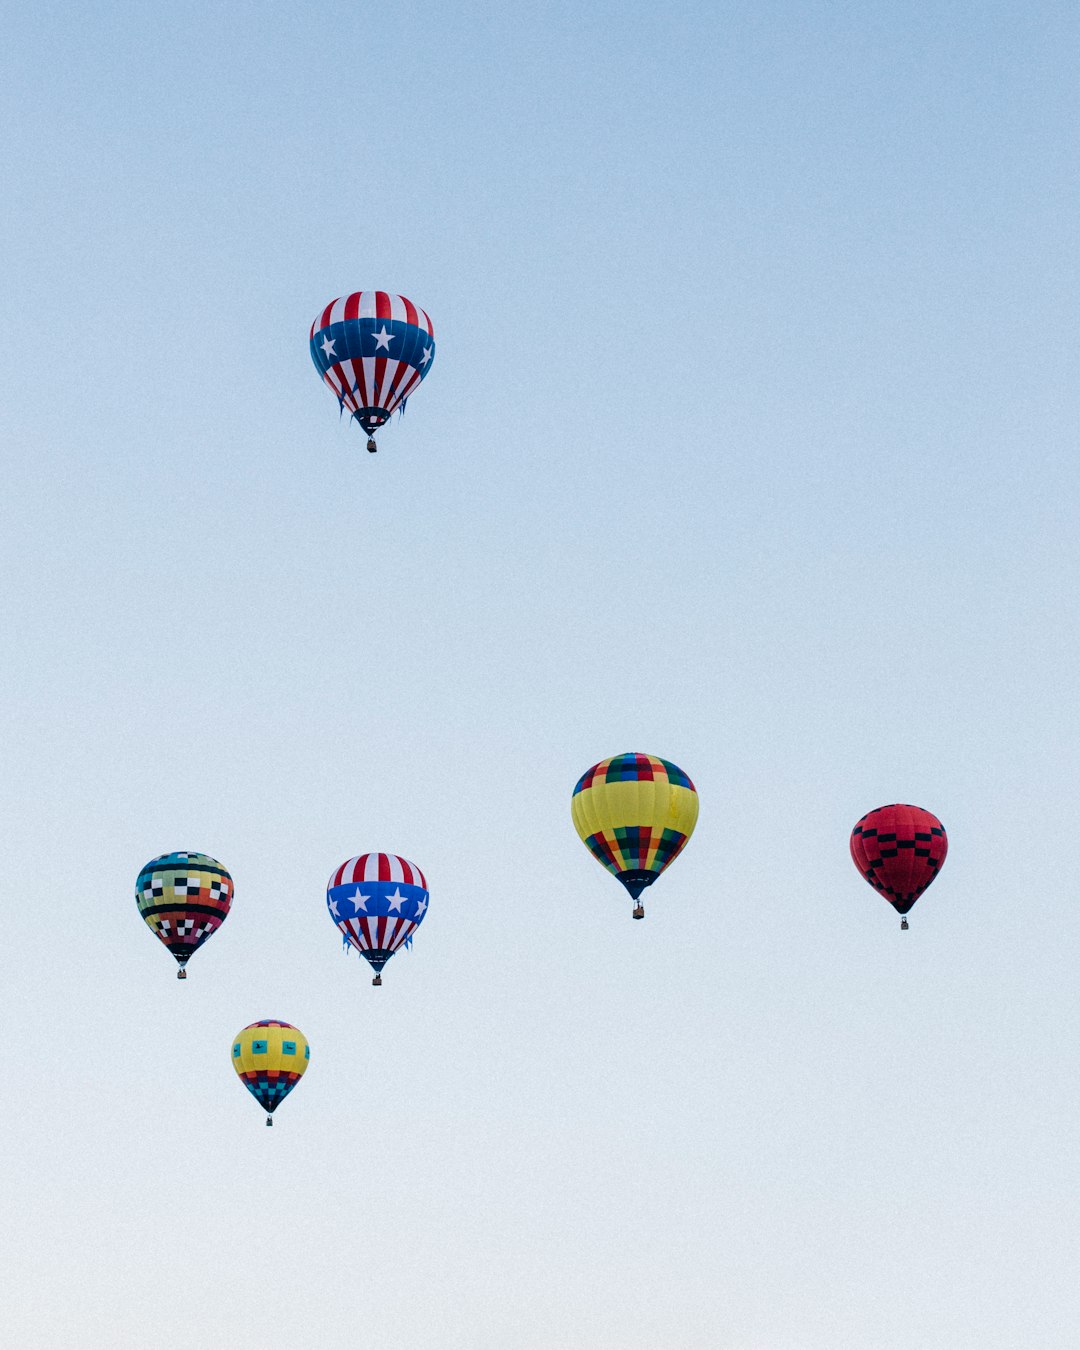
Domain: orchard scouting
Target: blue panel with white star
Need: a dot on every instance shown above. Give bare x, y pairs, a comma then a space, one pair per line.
373, 899
352, 339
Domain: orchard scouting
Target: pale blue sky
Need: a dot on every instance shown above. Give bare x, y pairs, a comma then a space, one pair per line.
752, 442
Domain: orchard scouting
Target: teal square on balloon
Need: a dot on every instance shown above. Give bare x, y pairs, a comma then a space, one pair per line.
288, 1047
258, 1047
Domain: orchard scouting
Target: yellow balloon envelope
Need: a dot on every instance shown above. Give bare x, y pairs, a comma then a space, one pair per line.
635, 813
270, 1058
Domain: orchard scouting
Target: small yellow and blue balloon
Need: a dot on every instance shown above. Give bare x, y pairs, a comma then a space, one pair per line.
270, 1059
635, 813
184, 898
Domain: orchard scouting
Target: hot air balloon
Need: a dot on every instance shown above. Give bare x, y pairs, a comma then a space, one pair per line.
270, 1059
378, 901
184, 898
372, 349
899, 849
635, 814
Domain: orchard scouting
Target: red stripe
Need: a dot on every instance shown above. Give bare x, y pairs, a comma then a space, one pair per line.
380, 371
431, 331
361, 380
382, 305
410, 311
329, 376
325, 319
405, 930
346, 390
392, 397
384, 867
352, 305
410, 384
406, 868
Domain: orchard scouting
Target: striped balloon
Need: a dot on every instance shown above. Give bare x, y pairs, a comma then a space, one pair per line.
372, 349
378, 901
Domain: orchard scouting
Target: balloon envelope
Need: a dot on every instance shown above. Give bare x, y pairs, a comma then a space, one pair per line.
270, 1058
184, 898
635, 814
372, 349
378, 901
899, 849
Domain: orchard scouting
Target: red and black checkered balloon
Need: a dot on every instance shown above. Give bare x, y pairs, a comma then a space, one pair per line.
899, 849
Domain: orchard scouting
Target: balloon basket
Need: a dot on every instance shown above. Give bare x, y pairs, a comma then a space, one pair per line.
377, 981
269, 1120
904, 925
639, 911
181, 974
372, 447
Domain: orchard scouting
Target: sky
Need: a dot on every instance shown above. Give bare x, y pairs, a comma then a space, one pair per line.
751, 441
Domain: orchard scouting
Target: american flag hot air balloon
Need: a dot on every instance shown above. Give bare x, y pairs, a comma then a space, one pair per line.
372, 349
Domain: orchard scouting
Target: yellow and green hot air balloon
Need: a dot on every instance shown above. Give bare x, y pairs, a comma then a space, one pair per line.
635, 813
270, 1059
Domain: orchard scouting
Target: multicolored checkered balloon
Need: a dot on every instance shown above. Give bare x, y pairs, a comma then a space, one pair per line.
635, 814
184, 898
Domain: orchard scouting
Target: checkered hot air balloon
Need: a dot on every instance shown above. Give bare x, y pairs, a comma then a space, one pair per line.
184, 898
378, 901
899, 849
635, 813
270, 1058
372, 349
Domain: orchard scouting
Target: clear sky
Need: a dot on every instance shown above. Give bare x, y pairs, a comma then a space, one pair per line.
751, 441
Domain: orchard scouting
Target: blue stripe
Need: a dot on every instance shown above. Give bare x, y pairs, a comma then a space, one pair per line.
378, 904
355, 338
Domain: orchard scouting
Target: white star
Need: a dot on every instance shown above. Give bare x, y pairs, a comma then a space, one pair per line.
327, 345
426, 357
421, 905
334, 909
360, 901
383, 339
395, 900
